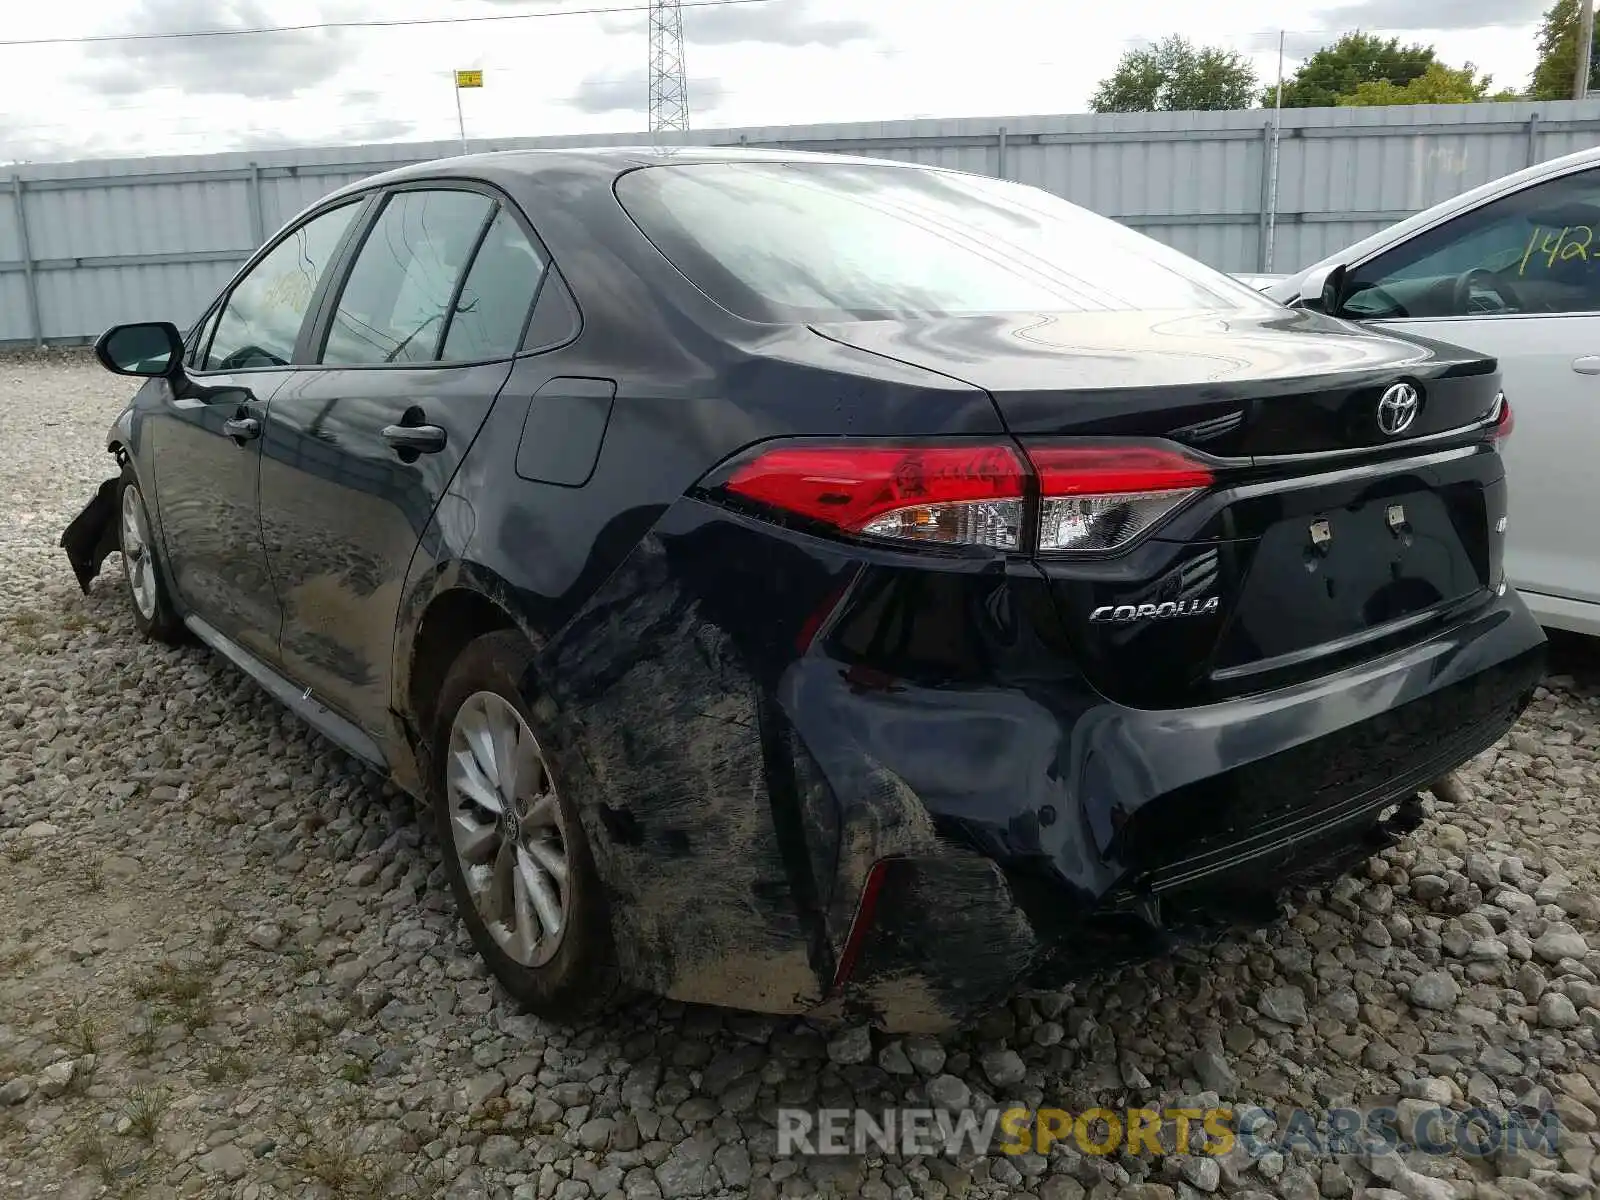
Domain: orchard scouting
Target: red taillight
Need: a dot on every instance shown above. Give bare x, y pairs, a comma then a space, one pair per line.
1114, 470
1092, 496
952, 494
1504, 421
1100, 498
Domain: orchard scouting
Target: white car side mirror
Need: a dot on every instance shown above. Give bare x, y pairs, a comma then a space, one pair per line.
1320, 288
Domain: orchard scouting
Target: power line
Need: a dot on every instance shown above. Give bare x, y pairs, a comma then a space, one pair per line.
393, 23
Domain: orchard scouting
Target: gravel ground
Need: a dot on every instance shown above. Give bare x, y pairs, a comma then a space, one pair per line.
229, 965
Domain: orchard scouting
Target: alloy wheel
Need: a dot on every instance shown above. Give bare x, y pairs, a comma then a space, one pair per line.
507, 829
135, 542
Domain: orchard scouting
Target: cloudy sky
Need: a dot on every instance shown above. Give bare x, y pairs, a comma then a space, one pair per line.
560, 70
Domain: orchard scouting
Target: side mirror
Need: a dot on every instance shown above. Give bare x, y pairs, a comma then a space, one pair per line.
1322, 288
149, 349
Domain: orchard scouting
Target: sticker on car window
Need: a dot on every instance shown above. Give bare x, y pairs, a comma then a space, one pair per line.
1572, 241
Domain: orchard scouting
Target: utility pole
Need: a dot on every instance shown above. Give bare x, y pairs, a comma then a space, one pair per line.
1277, 138
669, 89
1580, 81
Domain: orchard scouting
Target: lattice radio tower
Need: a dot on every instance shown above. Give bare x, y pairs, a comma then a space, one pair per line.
669, 90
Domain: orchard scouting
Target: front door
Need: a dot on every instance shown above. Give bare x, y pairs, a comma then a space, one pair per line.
357, 454
1518, 278
207, 437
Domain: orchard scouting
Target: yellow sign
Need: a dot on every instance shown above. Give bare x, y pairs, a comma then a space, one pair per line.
469, 79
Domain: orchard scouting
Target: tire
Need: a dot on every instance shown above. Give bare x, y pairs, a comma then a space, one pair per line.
492, 871
142, 573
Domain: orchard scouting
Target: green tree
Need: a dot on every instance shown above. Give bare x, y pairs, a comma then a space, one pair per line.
1338, 70
1176, 76
1439, 84
1555, 73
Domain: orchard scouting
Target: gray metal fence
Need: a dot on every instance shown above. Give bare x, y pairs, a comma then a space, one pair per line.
85, 245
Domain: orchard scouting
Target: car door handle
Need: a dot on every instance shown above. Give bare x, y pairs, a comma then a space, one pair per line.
1589, 364
243, 428
420, 439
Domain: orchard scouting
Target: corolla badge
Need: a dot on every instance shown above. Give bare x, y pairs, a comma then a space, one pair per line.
1121, 614
1398, 408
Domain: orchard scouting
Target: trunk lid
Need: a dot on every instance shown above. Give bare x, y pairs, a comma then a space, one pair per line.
1281, 577
1365, 540
1234, 384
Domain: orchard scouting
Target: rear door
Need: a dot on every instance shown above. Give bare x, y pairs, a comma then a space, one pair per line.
410, 353
1519, 279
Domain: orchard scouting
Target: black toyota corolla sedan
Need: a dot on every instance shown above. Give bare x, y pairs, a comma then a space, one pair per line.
814, 584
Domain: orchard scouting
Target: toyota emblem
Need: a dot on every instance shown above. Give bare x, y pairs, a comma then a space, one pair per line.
1398, 409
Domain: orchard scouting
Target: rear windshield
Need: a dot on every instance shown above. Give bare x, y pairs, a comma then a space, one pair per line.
842, 241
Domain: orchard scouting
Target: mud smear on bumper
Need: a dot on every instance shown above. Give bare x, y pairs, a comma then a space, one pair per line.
948, 941
663, 726
732, 884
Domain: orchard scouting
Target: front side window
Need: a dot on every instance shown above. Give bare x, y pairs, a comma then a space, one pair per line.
835, 241
261, 320
396, 301
492, 309
1534, 251
199, 336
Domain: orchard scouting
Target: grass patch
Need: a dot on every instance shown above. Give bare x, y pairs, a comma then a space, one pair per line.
329, 1159
181, 994
302, 959
228, 1067
78, 1031
20, 851
143, 1043
144, 1110
13, 961
112, 1165
306, 1030
27, 622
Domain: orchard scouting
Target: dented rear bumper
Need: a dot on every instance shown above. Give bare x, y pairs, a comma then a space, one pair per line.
1128, 830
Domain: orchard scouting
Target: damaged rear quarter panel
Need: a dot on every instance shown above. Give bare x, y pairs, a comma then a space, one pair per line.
738, 786
663, 708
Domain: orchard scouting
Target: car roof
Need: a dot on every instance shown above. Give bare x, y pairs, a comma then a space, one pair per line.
598, 161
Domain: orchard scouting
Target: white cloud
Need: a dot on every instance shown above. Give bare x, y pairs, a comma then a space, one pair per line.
1435, 14
764, 63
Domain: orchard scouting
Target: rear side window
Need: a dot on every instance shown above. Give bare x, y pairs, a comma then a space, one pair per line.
493, 307
398, 294
833, 241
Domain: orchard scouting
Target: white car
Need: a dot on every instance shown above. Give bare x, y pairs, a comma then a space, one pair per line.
1511, 269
